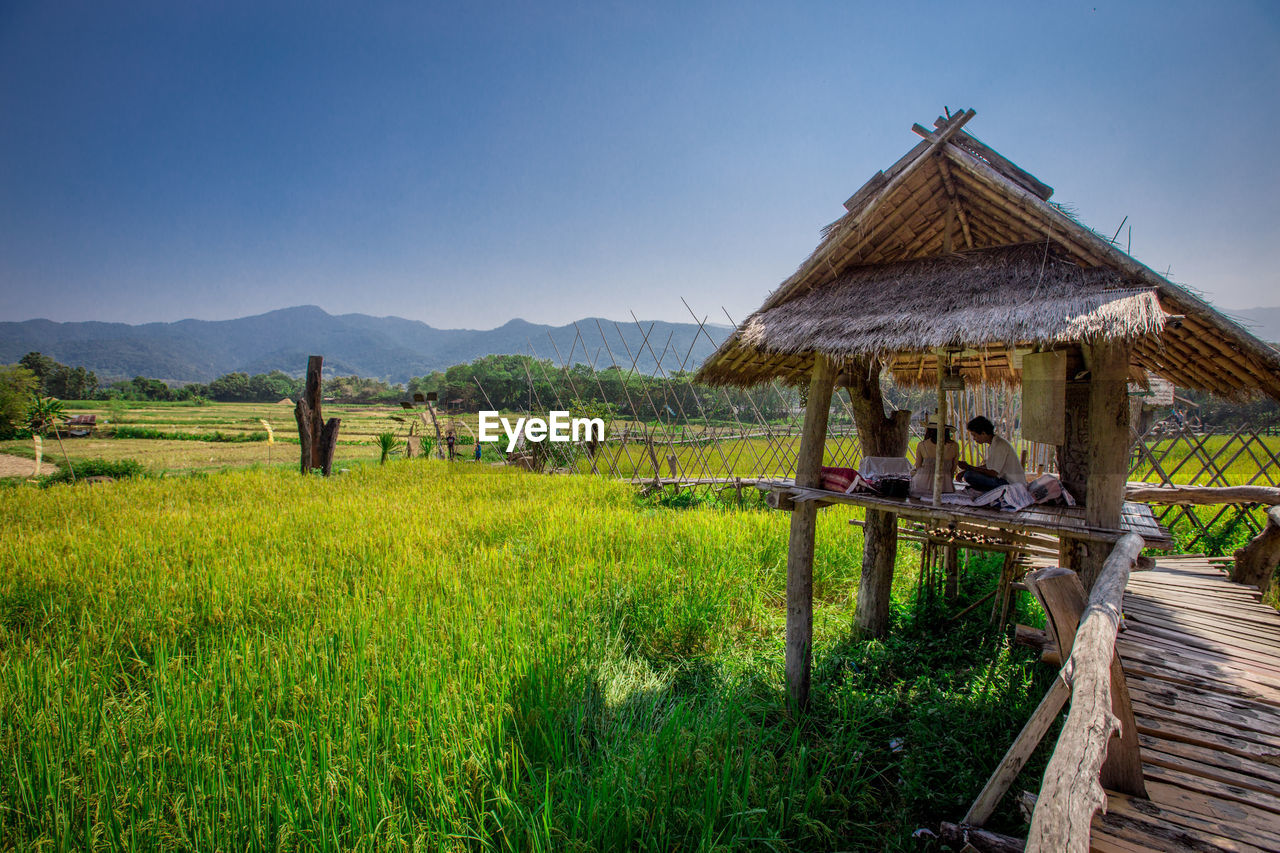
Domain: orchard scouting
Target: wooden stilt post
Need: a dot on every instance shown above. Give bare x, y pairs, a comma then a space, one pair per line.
941, 438
803, 525
940, 445
1109, 434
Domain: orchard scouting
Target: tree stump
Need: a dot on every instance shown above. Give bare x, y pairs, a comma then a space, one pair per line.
1256, 562
317, 438
879, 435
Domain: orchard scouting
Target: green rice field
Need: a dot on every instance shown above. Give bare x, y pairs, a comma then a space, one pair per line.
173, 431
423, 656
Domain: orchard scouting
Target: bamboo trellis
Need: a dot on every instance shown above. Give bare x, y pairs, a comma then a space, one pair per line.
685, 448
1172, 453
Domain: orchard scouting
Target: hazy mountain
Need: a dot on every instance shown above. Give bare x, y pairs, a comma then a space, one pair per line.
389, 348
1263, 322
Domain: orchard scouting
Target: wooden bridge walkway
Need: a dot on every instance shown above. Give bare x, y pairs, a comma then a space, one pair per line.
1201, 657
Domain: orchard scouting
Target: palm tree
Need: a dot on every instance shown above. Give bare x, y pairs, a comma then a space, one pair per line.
388, 444
43, 414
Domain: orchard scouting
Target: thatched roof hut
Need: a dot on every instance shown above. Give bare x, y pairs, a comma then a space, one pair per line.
955, 247
955, 258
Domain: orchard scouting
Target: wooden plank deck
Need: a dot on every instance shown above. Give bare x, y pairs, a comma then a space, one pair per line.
1052, 520
1201, 657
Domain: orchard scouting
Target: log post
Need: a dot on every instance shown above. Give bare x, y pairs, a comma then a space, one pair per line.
1109, 436
1064, 600
317, 439
879, 435
804, 518
1256, 562
1072, 790
940, 442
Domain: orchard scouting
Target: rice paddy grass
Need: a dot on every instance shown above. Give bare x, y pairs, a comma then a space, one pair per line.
161, 456
731, 454
423, 656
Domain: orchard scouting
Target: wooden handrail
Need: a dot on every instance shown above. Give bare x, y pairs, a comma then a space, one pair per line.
1201, 495
1071, 791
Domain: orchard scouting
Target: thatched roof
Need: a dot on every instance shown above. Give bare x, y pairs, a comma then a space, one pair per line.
956, 247
1011, 295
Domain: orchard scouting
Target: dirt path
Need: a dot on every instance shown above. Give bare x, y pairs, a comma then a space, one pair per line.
18, 466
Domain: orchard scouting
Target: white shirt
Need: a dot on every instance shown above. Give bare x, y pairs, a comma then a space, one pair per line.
1003, 459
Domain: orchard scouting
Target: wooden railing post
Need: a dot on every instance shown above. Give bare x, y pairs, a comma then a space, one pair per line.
1072, 790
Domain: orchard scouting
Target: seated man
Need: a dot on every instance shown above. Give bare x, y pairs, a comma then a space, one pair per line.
1001, 466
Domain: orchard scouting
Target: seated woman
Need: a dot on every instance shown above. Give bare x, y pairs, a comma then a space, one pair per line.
926, 459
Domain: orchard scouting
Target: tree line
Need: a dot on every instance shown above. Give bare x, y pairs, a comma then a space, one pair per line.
501, 382
518, 383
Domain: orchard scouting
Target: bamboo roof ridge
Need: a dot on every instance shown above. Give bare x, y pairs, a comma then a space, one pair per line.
956, 247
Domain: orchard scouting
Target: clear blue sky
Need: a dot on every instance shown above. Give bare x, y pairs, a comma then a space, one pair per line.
466, 163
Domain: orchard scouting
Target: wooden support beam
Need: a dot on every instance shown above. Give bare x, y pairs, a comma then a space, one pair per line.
1108, 446
940, 443
1072, 790
804, 516
1017, 206
950, 185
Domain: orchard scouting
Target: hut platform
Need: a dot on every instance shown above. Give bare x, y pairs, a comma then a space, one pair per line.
1201, 658
1052, 520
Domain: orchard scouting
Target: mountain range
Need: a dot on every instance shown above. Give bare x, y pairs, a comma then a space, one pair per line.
1263, 322
388, 348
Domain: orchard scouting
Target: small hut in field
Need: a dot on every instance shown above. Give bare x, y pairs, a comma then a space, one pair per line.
953, 265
